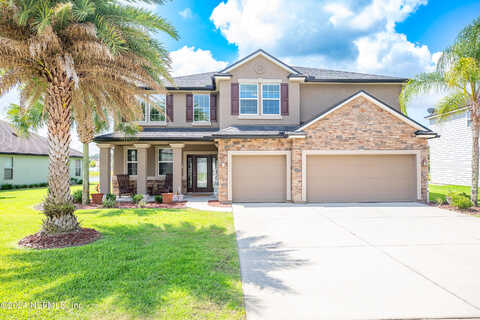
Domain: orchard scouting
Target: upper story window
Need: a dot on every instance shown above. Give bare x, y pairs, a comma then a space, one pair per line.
78, 168
154, 111
271, 98
248, 98
132, 162
8, 168
201, 108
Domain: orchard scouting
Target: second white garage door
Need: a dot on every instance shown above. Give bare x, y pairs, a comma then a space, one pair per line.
259, 178
361, 178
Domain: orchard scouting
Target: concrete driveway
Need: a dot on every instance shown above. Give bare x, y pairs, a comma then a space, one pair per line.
358, 261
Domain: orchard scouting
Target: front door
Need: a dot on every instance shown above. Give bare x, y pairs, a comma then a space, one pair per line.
201, 171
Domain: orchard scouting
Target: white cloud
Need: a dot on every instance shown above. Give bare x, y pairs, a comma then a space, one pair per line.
186, 13
349, 34
188, 60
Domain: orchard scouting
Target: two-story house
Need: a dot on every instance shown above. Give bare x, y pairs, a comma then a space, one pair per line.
263, 131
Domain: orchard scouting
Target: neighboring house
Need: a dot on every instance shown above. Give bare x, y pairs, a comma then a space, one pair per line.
451, 154
24, 161
263, 131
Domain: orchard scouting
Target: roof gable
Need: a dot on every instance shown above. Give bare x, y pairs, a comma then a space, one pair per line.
255, 54
372, 99
11, 143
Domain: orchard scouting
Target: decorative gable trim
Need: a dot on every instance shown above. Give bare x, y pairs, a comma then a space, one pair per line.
264, 54
372, 99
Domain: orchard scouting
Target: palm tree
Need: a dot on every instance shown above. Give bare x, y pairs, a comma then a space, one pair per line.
65, 51
26, 120
457, 74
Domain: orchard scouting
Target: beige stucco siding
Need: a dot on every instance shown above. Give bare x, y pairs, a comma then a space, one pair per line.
250, 70
316, 98
362, 178
259, 178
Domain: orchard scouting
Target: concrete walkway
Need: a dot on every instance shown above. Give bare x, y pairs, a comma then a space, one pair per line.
358, 261
201, 203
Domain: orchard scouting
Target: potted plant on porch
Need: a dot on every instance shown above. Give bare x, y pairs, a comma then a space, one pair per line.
167, 197
97, 198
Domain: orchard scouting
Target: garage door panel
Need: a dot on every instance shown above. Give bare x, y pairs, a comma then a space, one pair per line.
259, 178
361, 178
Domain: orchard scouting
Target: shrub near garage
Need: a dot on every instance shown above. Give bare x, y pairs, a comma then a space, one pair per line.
459, 199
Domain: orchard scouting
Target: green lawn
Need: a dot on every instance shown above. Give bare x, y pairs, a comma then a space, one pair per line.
150, 264
440, 191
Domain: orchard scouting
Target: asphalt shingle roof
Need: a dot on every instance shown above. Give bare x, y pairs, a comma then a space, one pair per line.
204, 80
11, 143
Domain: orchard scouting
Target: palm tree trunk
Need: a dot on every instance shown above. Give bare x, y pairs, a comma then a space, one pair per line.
86, 175
475, 160
58, 206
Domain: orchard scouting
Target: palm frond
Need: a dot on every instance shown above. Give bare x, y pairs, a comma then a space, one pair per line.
422, 83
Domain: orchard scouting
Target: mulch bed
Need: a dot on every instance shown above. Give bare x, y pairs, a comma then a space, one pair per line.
472, 211
131, 205
41, 240
216, 203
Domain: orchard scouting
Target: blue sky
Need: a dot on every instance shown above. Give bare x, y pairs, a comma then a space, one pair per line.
391, 37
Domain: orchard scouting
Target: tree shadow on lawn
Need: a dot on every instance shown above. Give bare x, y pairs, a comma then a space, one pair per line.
113, 212
142, 268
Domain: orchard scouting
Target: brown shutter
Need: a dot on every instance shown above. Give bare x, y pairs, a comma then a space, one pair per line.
235, 95
189, 107
284, 95
213, 107
170, 107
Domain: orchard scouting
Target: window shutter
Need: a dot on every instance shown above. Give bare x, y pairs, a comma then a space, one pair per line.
189, 107
235, 96
284, 95
169, 103
213, 107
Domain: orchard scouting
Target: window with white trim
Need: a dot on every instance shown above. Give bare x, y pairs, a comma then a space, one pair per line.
271, 98
201, 107
248, 98
78, 168
165, 162
132, 162
8, 168
157, 108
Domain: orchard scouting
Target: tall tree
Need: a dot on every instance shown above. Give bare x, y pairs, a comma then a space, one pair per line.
79, 50
457, 74
26, 120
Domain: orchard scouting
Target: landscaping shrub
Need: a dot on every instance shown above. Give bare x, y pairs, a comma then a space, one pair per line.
109, 203
6, 186
110, 196
59, 217
158, 199
77, 196
142, 204
441, 201
137, 198
461, 200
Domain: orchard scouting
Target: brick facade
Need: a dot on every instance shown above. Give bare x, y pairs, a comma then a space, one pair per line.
358, 125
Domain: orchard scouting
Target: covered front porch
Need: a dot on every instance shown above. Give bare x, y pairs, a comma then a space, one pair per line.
183, 167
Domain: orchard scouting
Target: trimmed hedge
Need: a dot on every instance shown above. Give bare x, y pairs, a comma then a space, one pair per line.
23, 186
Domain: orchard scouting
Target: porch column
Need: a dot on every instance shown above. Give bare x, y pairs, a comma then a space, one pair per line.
142, 168
105, 167
177, 167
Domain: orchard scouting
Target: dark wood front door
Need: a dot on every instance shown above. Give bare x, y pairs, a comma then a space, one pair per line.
200, 171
